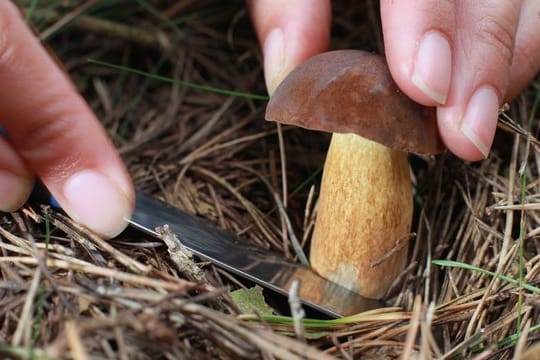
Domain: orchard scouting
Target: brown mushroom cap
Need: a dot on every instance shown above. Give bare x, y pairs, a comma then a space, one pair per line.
352, 91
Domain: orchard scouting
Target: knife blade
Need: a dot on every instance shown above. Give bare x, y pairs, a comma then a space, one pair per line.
230, 252
234, 254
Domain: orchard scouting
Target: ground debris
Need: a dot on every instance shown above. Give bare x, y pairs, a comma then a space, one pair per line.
181, 256
470, 289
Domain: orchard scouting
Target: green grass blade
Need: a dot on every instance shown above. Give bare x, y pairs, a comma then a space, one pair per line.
30, 11
26, 353
515, 337
521, 262
180, 82
307, 181
385, 314
460, 265
155, 12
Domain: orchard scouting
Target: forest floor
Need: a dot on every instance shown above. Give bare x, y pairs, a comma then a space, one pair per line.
149, 69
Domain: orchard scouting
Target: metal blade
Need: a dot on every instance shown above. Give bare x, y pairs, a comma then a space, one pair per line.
263, 267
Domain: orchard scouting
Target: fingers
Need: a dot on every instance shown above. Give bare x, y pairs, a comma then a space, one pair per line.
456, 55
483, 55
290, 32
526, 61
418, 37
16, 180
56, 135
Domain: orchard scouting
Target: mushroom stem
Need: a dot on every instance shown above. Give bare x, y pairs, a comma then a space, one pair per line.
364, 213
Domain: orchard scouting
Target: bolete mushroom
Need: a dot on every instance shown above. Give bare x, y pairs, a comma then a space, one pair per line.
365, 204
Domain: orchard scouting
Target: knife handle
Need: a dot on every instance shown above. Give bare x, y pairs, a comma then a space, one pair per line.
42, 195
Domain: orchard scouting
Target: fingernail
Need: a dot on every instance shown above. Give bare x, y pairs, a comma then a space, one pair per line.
97, 203
274, 59
433, 66
14, 191
480, 120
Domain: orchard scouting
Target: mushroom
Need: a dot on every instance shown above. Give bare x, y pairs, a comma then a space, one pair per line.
365, 203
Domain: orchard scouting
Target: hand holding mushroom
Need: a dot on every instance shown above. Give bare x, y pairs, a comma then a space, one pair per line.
365, 204
464, 57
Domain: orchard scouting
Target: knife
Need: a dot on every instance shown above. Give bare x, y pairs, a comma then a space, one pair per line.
234, 254
230, 252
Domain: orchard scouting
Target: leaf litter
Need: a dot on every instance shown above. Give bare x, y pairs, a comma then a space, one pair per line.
470, 287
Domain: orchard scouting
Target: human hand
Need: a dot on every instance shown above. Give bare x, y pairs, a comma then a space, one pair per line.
53, 134
464, 57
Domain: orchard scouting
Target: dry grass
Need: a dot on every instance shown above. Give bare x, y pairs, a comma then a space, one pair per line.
65, 293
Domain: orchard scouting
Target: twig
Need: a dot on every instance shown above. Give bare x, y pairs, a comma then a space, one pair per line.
133, 34
25, 320
277, 345
507, 124
178, 285
76, 231
74, 341
399, 244
182, 257
250, 208
66, 19
408, 347
292, 236
297, 311
285, 224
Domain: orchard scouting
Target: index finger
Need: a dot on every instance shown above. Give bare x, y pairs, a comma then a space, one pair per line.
54, 131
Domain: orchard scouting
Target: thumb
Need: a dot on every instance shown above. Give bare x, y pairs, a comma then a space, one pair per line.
290, 32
